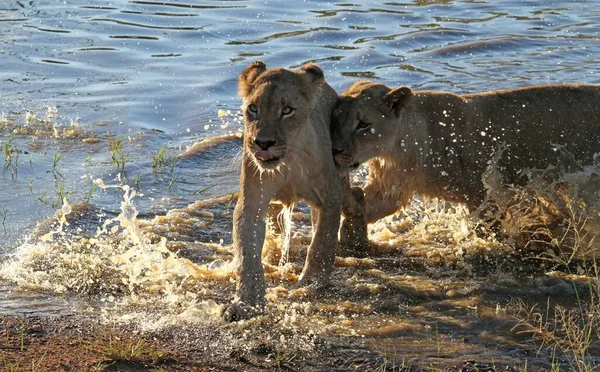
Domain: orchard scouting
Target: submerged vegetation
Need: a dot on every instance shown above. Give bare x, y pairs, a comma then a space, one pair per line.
118, 155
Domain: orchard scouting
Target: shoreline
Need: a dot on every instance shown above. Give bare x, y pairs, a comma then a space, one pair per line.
83, 343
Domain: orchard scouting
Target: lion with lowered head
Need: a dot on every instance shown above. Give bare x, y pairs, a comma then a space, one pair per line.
286, 157
439, 144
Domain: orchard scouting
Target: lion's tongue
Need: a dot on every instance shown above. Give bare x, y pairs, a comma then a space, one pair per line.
263, 155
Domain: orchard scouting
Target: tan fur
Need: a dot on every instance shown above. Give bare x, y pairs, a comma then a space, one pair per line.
302, 168
439, 144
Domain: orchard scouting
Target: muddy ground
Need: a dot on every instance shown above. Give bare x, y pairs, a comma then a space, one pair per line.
78, 343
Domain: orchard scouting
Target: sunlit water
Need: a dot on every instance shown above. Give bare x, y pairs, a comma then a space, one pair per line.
142, 95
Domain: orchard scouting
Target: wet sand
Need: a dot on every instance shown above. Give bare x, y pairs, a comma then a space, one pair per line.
76, 343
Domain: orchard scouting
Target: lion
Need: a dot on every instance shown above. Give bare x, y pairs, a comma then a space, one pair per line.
439, 144
286, 157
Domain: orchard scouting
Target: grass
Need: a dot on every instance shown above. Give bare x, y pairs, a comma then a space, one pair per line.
570, 335
160, 162
61, 195
19, 364
99, 349
11, 156
113, 348
4, 213
56, 160
118, 155
283, 359
90, 193
172, 182
204, 189
158, 159
136, 181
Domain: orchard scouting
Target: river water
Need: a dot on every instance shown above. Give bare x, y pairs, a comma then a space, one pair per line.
121, 91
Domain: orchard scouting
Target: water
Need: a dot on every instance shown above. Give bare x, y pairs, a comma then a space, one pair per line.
96, 90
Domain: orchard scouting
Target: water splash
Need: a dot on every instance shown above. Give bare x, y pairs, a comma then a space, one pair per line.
119, 266
65, 210
285, 220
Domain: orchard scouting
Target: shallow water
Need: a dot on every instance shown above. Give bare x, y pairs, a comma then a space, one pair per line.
94, 90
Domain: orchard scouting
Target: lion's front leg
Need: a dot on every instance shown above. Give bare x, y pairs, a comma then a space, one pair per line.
249, 227
321, 253
353, 233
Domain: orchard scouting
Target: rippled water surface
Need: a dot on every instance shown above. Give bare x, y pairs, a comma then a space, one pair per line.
122, 90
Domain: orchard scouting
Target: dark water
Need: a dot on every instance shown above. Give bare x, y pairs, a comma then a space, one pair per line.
125, 79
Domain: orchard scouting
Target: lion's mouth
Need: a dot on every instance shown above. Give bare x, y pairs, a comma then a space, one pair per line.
345, 161
265, 157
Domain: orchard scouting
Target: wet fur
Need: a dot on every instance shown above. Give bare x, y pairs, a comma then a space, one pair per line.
439, 144
305, 171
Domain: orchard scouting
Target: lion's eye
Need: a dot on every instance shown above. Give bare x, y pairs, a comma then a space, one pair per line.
362, 126
252, 108
287, 111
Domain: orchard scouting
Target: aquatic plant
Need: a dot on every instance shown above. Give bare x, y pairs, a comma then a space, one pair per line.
11, 157
55, 161
136, 181
62, 195
118, 155
158, 160
92, 189
204, 189
172, 182
5, 212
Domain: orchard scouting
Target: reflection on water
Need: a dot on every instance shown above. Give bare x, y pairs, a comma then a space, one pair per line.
143, 94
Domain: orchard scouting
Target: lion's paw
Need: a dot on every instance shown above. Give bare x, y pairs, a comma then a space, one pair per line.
354, 240
313, 282
240, 311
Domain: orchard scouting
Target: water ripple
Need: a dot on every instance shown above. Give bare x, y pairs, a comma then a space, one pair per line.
126, 23
280, 35
134, 37
191, 6
48, 29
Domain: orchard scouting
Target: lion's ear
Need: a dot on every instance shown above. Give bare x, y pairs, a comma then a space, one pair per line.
396, 99
312, 74
248, 76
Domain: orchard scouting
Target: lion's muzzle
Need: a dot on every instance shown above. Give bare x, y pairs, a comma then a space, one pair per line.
266, 151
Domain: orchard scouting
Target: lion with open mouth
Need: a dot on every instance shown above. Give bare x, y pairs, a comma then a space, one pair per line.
286, 157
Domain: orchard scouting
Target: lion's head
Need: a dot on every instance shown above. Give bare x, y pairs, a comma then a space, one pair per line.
277, 104
366, 122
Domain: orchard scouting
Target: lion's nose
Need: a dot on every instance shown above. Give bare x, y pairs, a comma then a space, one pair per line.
264, 145
336, 151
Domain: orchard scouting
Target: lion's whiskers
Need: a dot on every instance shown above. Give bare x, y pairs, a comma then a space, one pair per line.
235, 162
